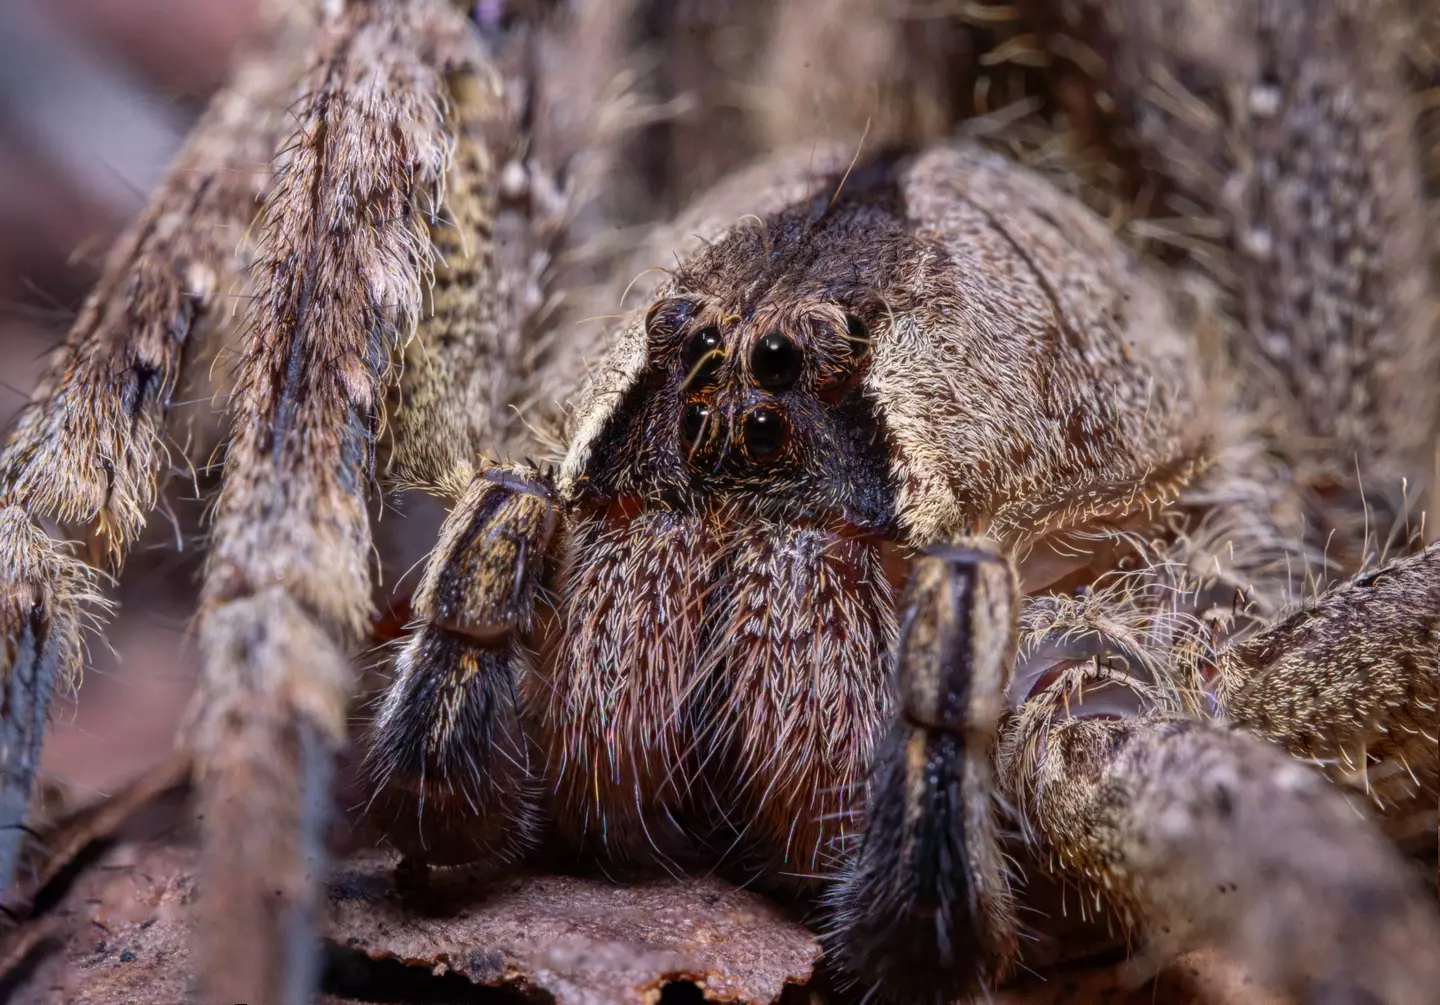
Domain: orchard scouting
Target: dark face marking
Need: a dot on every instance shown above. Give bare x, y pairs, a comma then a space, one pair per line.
754, 390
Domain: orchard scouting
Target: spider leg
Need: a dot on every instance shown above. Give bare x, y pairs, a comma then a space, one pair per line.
448, 757
337, 290
1199, 833
453, 772
1195, 831
925, 907
454, 392
89, 449
1352, 680
1278, 138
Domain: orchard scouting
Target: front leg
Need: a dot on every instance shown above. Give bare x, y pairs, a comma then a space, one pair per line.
1277, 138
926, 908
1196, 833
1351, 681
452, 770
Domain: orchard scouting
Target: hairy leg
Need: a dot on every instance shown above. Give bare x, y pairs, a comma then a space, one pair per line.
1196, 832
89, 449
1276, 141
1200, 834
452, 400
455, 778
1351, 681
925, 909
336, 292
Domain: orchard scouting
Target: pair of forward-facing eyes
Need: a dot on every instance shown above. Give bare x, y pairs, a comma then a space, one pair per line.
680, 332
695, 344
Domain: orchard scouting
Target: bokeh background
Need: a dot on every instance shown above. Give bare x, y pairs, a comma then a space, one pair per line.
95, 97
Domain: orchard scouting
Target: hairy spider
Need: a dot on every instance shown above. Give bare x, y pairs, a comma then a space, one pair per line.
914, 529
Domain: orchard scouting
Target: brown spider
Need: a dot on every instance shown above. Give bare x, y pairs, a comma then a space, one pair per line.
914, 529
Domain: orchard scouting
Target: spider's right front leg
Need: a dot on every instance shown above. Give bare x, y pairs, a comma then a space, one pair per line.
455, 780
1196, 832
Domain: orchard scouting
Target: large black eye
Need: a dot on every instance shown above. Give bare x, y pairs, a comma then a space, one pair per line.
764, 432
702, 355
692, 424
775, 361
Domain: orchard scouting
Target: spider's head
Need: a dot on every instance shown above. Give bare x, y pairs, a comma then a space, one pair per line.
749, 373
757, 405
753, 393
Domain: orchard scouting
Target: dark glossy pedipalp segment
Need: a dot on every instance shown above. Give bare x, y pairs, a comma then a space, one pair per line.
924, 910
455, 780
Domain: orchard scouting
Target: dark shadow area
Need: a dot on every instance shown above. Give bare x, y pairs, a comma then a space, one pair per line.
351, 974
681, 993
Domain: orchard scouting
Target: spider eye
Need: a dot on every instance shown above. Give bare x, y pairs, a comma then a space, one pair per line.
764, 432
775, 361
857, 336
668, 316
702, 354
693, 422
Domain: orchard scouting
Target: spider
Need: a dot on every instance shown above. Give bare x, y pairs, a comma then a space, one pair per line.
913, 530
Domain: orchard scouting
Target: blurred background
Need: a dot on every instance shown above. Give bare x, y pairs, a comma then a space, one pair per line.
95, 97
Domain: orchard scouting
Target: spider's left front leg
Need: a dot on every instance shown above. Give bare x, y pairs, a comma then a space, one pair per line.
925, 908
1195, 831
454, 779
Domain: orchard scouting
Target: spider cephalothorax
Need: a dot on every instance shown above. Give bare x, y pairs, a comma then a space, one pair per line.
912, 505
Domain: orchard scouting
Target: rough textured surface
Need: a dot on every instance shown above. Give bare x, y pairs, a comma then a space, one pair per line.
124, 928
584, 941
119, 935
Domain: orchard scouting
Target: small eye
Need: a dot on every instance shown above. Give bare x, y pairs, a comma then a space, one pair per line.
702, 355
857, 335
693, 423
668, 316
775, 361
764, 432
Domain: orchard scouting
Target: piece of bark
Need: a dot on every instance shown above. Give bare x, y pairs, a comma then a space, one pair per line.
584, 941
121, 933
